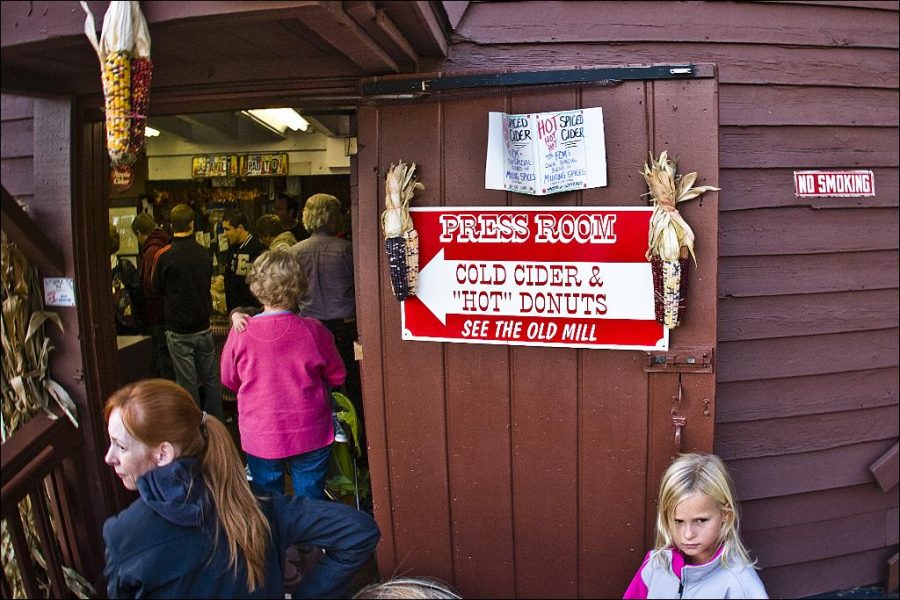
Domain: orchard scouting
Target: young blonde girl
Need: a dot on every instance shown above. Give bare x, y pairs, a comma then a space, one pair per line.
698, 551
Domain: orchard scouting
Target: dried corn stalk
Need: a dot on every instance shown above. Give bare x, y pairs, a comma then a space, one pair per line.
27, 390
670, 239
401, 242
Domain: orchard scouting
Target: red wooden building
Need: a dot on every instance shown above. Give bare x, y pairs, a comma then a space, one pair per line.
531, 471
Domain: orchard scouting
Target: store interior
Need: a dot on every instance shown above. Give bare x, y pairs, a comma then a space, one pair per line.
216, 162
236, 159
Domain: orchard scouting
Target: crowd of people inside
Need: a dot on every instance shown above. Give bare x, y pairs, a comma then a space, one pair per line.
212, 522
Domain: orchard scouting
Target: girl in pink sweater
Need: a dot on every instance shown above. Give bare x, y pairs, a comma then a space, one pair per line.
282, 368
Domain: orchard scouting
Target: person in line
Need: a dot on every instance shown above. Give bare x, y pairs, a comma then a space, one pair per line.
328, 264
287, 209
182, 277
126, 289
151, 239
242, 251
698, 553
283, 367
423, 588
269, 231
197, 531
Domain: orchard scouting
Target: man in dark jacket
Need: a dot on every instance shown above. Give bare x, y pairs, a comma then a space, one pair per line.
182, 277
152, 239
243, 250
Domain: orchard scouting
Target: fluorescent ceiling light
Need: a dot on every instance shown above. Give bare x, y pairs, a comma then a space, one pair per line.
150, 132
279, 119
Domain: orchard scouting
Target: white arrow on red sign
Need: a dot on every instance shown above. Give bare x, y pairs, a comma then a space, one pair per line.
536, 289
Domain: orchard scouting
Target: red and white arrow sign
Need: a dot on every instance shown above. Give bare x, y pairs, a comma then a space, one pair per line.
573, 277
536, 289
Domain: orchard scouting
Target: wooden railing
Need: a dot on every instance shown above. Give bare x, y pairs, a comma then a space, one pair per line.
39, 461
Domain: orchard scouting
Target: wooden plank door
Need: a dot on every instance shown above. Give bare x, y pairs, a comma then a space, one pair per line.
527, 471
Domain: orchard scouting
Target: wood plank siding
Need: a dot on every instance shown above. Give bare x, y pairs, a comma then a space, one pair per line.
807, 361
17, 146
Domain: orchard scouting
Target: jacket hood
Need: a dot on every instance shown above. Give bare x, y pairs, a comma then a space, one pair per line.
176, 492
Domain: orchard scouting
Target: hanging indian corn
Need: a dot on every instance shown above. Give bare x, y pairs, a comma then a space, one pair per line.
141, 76
401, 242
117, 92
670, 238
124, 52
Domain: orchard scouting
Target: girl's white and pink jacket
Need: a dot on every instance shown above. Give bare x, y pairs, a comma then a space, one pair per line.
673, 578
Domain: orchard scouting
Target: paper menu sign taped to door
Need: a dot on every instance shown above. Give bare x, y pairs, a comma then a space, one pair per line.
546, 153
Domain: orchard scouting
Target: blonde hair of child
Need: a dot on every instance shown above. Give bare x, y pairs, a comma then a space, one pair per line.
409, 588
277, 279
706, 474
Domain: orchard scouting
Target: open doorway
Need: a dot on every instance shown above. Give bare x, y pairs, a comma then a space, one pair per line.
230, 162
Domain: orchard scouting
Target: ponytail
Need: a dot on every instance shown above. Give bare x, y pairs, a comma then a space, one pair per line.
245, 526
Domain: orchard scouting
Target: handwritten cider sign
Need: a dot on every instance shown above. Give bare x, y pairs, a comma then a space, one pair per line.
546, 153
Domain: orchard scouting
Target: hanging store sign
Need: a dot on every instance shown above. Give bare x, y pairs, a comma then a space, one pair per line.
546, 153
834, 184
574, 277
121, 178
240, 165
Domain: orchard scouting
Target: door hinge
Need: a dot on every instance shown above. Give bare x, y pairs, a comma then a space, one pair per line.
689, 359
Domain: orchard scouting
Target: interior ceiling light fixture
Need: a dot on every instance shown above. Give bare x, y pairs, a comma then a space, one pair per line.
279, 119
150, 132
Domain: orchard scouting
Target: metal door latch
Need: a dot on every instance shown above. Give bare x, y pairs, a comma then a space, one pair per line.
679, 421
694, 359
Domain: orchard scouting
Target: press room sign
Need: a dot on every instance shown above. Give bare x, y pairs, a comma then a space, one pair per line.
535, 276
834, 184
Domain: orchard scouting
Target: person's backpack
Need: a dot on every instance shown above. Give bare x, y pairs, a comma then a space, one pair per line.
126, 291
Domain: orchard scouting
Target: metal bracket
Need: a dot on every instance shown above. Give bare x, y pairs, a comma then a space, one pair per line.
423, 85
689, 359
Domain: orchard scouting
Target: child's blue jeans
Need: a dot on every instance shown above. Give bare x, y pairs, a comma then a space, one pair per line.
308, 472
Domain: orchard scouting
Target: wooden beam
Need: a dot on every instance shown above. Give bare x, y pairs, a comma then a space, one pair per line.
419, 24
30, 238
341, 32
379, 25
893, 579
886, 470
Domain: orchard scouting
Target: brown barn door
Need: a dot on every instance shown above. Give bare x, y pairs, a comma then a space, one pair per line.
529, 471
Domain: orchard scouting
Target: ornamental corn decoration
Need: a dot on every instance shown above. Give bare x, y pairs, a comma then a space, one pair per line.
124, 53
141, 74
670, 238
401, 242
117, 90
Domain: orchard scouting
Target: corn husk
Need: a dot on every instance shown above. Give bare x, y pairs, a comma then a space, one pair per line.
670, 239
27, 390
401, 242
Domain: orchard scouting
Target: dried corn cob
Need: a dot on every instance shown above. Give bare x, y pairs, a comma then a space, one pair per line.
141, 75
117, 91
401, 241
670, 238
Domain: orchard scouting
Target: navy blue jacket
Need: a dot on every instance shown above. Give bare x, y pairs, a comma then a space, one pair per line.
164, 544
